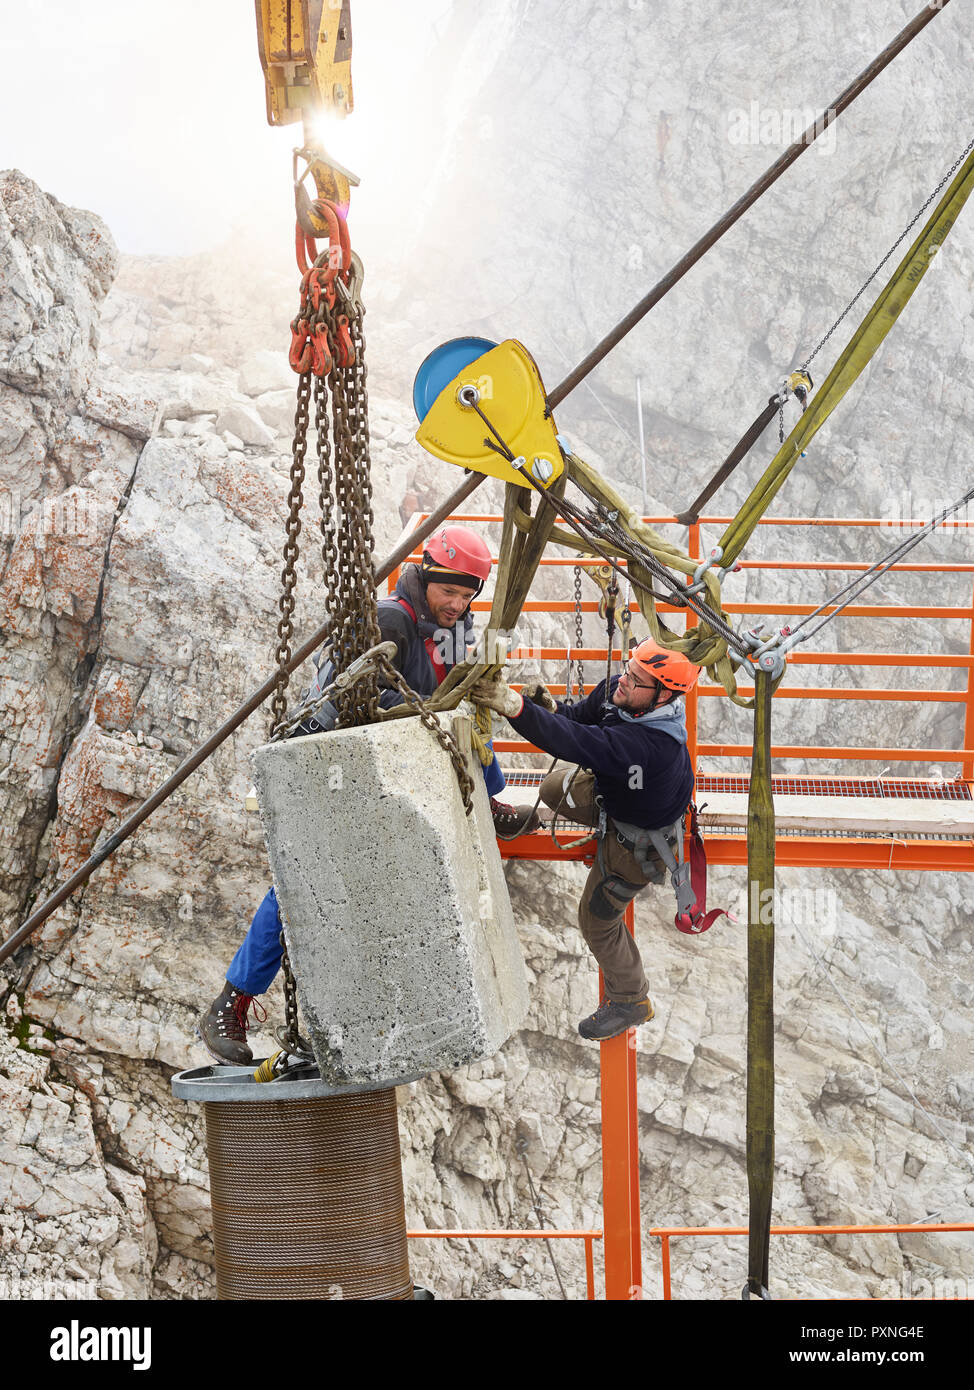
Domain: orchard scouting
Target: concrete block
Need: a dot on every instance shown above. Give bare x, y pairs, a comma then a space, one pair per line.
396, 911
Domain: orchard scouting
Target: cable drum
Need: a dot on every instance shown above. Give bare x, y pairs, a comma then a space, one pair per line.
307, 1198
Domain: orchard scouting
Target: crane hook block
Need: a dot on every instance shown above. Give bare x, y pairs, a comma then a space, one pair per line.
475, 407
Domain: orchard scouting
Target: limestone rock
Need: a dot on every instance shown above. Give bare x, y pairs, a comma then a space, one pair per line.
266, 371
245, 422
122, 403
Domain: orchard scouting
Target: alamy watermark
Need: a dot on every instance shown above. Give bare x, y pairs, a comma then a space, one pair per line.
781, 126
75, 1342
915, 509
940, 1287
796, 907
75, 513
18, 1288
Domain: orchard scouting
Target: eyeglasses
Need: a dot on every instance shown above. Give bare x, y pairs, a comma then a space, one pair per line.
640, 685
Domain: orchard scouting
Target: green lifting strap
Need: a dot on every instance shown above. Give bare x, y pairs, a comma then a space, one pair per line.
857, 355
760, 993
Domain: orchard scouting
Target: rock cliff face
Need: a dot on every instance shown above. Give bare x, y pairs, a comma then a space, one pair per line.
145, 423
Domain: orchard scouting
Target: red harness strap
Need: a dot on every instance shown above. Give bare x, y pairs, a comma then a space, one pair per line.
432, 650
698, 919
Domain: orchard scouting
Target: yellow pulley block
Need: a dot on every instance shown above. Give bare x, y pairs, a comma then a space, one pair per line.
499, 396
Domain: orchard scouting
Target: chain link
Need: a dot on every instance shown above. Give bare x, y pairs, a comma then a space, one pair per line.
576, 670
347, 520
285, 628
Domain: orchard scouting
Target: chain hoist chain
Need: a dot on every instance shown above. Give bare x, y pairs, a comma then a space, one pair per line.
902, 237
326, 488
345, 498
290, 1037
285, 628
575, 684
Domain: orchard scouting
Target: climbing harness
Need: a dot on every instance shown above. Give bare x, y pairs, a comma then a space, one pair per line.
688, 877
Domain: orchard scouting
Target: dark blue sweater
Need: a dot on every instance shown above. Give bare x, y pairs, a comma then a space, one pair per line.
643, 774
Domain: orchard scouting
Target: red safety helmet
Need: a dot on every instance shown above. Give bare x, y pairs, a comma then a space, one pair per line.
671, 669
456, 552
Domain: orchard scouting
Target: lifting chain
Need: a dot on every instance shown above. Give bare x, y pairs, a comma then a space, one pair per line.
328, 344
285, 628
575, 680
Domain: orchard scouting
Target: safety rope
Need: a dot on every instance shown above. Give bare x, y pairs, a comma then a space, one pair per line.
521, 1147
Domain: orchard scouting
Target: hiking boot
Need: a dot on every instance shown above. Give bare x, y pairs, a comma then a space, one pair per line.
511, 821
223, 1028
611, 1018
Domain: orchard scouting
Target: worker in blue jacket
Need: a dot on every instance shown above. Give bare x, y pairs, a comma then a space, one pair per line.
428, 618
633, 774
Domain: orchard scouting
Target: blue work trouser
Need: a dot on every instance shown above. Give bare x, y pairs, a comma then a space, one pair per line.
259, 957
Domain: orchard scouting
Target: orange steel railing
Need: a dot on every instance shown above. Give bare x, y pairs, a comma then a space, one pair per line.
587, 1236
666, 1232
620, 1157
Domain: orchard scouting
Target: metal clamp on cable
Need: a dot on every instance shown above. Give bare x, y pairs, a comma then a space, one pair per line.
697, 585
767, 653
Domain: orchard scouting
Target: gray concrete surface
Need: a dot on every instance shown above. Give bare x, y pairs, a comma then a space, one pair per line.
396, 910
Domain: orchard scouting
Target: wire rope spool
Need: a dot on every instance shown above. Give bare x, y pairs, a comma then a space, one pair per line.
305, 1187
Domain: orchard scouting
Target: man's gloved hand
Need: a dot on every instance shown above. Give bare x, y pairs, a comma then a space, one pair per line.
539, 694
497, 695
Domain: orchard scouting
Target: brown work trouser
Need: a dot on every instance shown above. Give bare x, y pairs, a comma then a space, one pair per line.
614, 880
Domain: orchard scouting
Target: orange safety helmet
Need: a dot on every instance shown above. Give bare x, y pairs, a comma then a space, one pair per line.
456, 552
671, 669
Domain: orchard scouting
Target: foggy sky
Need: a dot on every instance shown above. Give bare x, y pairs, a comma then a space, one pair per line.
152, 115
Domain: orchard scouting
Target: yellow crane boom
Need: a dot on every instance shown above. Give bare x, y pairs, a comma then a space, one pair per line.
306, 53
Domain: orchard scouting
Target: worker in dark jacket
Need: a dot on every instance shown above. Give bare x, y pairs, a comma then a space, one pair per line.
631, 737
428, 617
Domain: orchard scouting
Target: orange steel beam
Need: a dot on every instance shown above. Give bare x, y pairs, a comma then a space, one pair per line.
505, 1235
840, 852
741, 750
793, 851
809, 692
588, 1237
968, 767
909, 755
840, 692
622, 1245
794, 658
